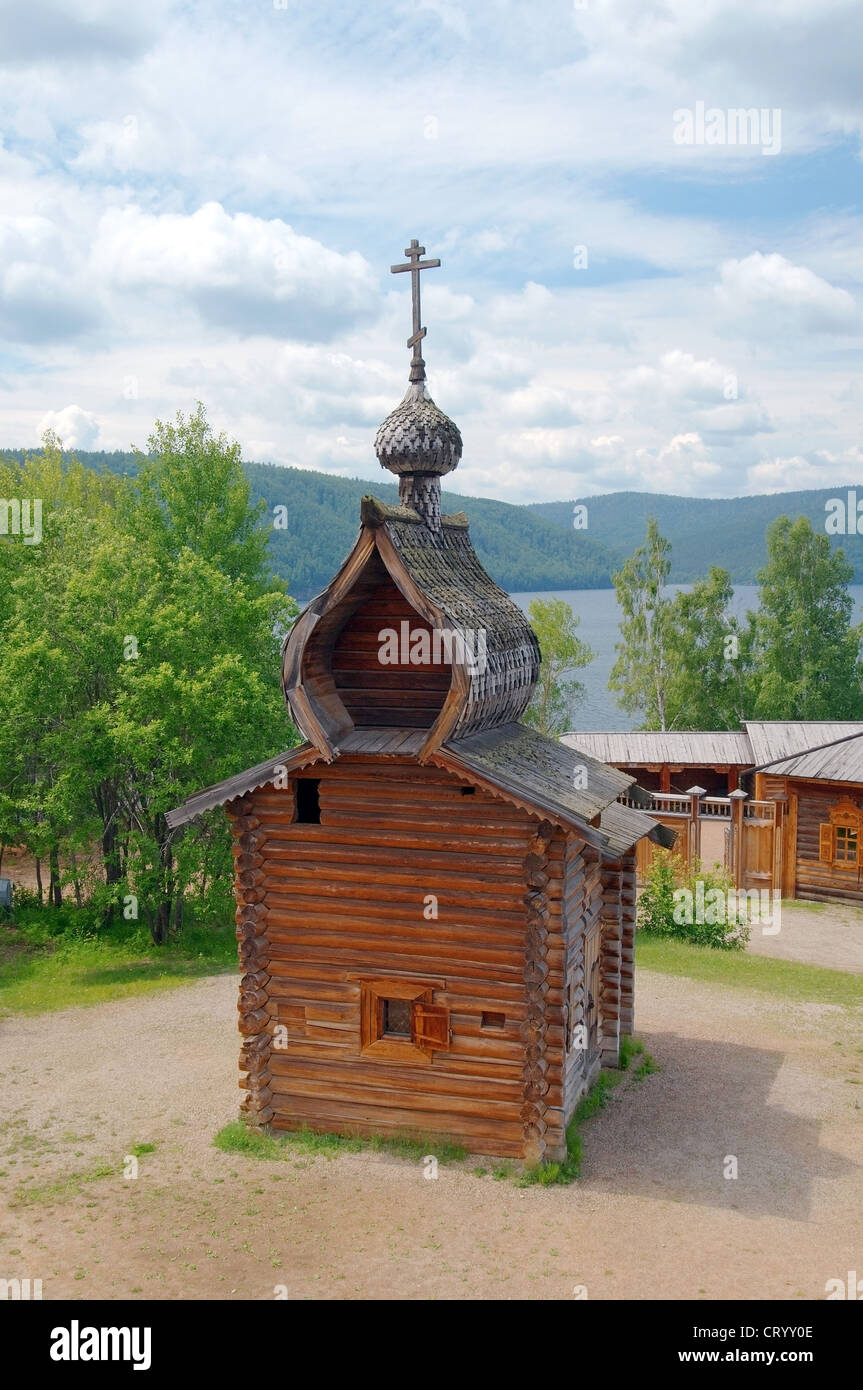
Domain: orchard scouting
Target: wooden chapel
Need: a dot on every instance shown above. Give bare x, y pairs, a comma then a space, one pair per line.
435, 903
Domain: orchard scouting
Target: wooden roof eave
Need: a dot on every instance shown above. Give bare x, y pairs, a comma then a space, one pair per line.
535, 805
372, 537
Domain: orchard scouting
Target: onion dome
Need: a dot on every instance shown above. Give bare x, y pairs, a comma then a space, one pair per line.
417, 437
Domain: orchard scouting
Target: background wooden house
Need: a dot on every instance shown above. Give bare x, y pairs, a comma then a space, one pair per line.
801, 822
435, 904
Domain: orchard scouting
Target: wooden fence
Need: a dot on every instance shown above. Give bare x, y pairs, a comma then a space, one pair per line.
744, 837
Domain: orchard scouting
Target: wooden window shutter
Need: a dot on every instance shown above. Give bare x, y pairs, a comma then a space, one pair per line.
430, 1025
826, 843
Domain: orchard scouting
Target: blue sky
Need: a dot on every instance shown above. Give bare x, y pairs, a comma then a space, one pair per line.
202, 201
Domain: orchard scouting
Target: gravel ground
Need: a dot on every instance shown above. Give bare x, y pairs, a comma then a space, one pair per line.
828, 934
776, 1085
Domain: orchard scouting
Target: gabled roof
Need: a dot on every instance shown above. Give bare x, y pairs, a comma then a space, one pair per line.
839, 761
826, 750
639, 746
782, 738
525, 767
542, 770
240, 783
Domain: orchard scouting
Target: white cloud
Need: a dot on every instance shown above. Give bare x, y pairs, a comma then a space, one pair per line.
771, 294
247, 273
77, 428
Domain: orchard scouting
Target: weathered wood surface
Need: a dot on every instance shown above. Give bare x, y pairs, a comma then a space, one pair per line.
346, 897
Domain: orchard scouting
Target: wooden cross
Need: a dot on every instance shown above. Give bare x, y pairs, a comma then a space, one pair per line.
414, 252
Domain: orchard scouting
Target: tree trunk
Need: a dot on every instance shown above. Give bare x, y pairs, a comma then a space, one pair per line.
106, 802
162, 925
39, 880
55, 892
75, 879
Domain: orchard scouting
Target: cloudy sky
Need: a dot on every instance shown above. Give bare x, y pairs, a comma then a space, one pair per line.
202, 201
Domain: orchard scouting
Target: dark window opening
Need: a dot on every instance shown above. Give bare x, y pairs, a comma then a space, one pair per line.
493, 1020
396, 1018
308, 800
468, 791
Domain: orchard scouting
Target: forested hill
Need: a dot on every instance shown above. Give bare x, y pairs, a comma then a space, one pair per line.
519, 548
703, 531
531, 547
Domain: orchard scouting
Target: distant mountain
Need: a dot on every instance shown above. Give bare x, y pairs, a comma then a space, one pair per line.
519, 548
531, 547
703, 531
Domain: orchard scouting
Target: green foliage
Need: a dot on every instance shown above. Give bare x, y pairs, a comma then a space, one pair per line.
54, 961
239, 1138
642, 672
781, 979
522, 549
807, 651
555, 697
629, 1047
554, 1173
709, 658
152, 606
662, 913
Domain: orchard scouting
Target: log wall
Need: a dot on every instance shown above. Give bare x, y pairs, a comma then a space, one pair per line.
582, 907
345, 899
400, 695
817, 881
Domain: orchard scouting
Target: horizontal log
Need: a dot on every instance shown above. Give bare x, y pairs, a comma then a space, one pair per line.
406, 1119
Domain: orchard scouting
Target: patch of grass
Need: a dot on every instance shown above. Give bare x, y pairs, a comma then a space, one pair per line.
784, 979
238, 1138
629, 1047
70, 1185
137, 1150
42, 974
552, 1174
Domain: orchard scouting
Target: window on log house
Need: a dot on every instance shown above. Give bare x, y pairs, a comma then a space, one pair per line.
400, 1022
396, 1018
308, 800
839, 838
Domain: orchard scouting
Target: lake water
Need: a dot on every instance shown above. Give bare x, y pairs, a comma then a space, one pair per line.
600, 617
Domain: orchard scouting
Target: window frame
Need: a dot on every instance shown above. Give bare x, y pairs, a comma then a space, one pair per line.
845, 817
419, 993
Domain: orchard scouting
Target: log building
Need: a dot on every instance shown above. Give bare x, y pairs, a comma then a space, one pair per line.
807, 774
435, 903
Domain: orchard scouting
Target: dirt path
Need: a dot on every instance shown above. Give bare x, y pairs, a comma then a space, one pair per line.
828, 934
775, 1085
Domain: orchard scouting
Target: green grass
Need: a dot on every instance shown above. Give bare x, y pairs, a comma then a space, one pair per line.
238, 1138
41, 975
70, 1185
783, 979
553, 1174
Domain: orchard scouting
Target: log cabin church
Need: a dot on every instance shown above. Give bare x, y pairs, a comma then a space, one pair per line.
435, 903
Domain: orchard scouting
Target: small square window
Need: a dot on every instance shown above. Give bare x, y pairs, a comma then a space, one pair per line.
396, 1018
490, 1020
399, 1021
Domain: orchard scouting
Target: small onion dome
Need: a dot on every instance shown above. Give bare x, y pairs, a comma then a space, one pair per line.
417, 437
